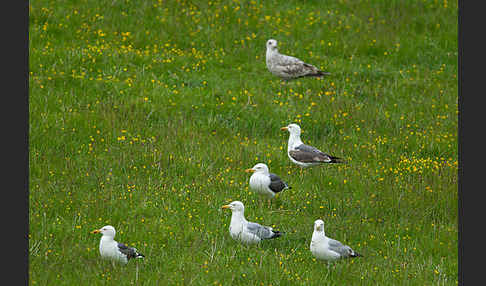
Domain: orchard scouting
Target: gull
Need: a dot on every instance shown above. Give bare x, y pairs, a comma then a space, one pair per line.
325, 248
302, 154
245, 231
113, 250
288, 67
264, 182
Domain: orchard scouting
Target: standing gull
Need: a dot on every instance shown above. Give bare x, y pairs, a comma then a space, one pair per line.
264, 182
288, 67
113, 250
325, 248
245, 231
302, 154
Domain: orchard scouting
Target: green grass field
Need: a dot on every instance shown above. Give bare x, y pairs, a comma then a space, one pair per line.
145, 114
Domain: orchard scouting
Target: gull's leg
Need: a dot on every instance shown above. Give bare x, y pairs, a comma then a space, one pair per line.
283, 83
301, 173
260, 203
136, 273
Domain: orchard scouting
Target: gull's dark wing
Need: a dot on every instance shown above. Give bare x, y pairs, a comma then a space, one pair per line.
130, 252
276, 184
263, 232
308, 154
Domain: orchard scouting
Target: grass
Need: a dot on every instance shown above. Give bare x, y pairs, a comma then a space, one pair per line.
144, 115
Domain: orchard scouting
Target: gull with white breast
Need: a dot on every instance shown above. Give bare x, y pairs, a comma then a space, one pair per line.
264, 182
112, 250
245, 231
302, 154
325, 248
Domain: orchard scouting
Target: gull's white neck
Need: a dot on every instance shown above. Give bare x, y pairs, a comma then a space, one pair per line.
294, 140
237, 217
106, 239
318, 236
270, 53
106, 244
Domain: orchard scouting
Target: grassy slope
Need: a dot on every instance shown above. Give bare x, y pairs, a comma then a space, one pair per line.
144, 116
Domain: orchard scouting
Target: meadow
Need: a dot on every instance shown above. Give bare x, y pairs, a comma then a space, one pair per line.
145, 114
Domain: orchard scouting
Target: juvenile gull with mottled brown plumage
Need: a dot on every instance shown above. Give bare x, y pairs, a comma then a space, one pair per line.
288, 67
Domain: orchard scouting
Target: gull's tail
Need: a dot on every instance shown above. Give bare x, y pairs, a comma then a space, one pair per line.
355, 254
335, 159
321, 73
286, 186
318, 73
313, 71
139, 255
276, 234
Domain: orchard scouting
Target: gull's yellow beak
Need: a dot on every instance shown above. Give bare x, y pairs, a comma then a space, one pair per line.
249, 170
226, 207
285, 128
95, 231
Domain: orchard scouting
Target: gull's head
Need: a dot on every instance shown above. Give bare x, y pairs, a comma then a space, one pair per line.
292, 128
258, 168
272, 44
107, 230
319, 225
235, 206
